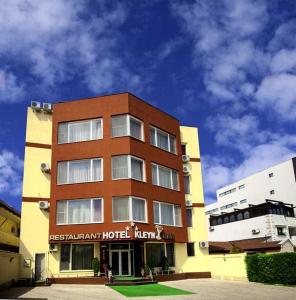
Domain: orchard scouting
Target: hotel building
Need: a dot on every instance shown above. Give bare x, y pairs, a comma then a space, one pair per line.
115, 178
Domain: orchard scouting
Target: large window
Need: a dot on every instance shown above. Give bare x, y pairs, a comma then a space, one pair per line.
126, 125
126, 166
187, 184
76, 257
190, 249
79, 171
126, 209
162, 140
157, 253
165, 177
81, 211
189, 217
79, 131
167, 214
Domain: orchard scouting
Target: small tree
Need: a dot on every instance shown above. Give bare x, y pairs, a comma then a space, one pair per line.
96, 266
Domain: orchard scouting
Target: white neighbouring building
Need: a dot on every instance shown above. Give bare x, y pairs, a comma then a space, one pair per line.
260, 205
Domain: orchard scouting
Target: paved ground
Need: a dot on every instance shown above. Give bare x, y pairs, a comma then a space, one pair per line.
204, 289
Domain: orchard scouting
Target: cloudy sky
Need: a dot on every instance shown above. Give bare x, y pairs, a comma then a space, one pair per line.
227, 67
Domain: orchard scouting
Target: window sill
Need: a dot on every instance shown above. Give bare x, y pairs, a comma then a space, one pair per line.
61, 184
129, 221
166, 188
71, 143
176, 154
138, 180
128, 136
102, 222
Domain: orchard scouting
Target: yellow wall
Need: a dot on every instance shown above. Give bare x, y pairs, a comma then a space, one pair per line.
9, 263
8, 221
228, 266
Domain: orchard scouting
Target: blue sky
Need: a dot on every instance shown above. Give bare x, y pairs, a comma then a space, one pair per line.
227, 67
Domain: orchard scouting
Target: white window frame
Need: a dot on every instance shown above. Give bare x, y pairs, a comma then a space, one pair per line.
156, 130
129, 167
130, 209
91, 167
171, 177
91, 211
174, 214
128, 124
81, 122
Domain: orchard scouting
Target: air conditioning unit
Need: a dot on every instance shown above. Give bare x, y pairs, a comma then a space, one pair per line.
255, 231
188, 202
212, 228
36, 106
186, 169
53, 248
47, 107
203, 244
43, 204
45, 167
185, 158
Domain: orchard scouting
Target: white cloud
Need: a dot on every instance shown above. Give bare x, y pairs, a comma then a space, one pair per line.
55, 41
10, 89
10, 173
283, 61
278, 92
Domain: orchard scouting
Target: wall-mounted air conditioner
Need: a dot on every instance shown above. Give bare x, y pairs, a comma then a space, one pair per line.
45, 167
36, 106
185, 158
53, 248
186, 169
188, 202
47, 107
255, 231
203, 244
43, 204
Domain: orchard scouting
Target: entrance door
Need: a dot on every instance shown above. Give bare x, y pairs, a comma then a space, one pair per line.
39, 266
120, 262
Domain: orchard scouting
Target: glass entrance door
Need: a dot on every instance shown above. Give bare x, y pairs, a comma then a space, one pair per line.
120, 262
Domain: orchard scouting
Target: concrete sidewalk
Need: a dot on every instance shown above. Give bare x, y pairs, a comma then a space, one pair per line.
204, 289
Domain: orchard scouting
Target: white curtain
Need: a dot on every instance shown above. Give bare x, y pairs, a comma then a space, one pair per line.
120, 167
164, 177
97, 170
162, 140
120, 209
79, 171
167, 216
138, 207
97, 210
79, 211
62, 172
63, 133
177, 215
137, 169
61, 212
97, 130
119, 125
156, 212
79, 132
136, 128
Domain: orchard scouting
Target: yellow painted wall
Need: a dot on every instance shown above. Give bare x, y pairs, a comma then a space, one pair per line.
9, 270
228, 266
39, 127
9, 221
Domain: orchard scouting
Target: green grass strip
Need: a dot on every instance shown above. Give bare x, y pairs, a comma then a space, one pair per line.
126, 278
148, 290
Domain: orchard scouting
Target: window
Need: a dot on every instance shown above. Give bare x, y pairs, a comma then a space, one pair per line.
126, 166
241, 186
126, 125
280, 231
83, 211
79, 171
76, 257
79, 131
165, 177
162, 140
189, 217
154, 254
126, 209
246, 215
243, 201
167, 214
170, 254
183, 149
227, 192
239, 216
190, 249
271, 192
187, 184
270, 175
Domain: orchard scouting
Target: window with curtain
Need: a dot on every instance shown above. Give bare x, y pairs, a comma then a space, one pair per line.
189, 217
154, 254
187, 184
162, 140
83, 211
76, 256
129, 209
127, 166
79, 171
126, 125
170, 254
165, 177
167, 214
79, 131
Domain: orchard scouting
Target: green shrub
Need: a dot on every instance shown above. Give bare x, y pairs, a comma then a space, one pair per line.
272, 268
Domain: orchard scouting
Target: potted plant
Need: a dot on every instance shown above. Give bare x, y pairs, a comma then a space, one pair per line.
96, 266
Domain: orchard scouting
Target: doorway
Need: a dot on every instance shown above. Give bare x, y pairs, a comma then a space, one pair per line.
120, 262
39, 266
